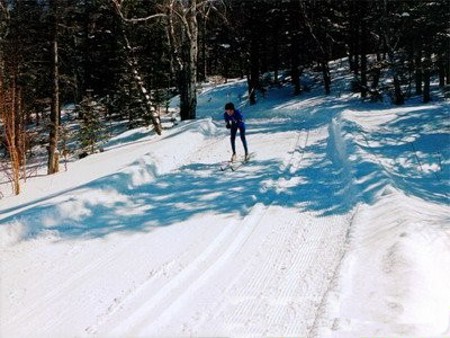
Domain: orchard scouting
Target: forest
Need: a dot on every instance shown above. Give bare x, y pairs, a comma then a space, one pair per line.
122, 60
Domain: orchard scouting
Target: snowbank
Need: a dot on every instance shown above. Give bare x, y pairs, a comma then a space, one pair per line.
102, 183
395, 278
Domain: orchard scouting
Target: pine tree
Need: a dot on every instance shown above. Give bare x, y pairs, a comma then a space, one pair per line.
92, 131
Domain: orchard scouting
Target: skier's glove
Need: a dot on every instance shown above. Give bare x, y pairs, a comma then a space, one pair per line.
228, 126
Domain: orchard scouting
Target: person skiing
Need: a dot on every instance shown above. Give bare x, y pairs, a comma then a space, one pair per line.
234, 121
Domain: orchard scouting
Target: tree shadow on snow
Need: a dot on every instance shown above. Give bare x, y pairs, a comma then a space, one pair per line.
328, 176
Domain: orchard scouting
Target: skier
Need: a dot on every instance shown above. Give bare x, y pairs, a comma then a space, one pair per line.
234, 121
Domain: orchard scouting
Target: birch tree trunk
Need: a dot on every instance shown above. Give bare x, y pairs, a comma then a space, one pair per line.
139, 82
182, 31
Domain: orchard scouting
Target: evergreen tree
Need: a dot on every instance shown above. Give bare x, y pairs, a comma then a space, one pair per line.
92, 124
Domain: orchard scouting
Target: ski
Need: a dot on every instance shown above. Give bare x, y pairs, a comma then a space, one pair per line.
226, 165
242, 162
238, 164
235, 165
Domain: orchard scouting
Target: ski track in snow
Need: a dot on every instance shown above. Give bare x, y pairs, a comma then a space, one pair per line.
270, 265
305, 268
282, 271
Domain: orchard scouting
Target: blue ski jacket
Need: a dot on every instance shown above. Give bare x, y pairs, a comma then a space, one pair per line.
236, 120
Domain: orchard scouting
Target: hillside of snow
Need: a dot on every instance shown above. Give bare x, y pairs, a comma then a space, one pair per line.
338, 227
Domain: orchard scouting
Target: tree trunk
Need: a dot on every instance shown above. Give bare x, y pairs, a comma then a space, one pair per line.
364, 51
295, 72
376, 76
399, 97
193, 56
12, 139
8, 114
295, 64
426, 78
183, 87
187, 74
8, 98
53, 156
139, 82
441, 72
253, 78
276, 51
447, 71
418, 72
355, 45
326, 77
20, 127
204, 73
295, 50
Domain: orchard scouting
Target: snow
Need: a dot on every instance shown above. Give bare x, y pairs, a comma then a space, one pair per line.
338, 227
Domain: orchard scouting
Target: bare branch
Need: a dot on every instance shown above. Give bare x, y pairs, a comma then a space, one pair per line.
208, 7
118, 7
183, 19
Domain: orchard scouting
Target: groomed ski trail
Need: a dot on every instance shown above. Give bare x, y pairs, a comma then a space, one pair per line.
261, 267
282, 269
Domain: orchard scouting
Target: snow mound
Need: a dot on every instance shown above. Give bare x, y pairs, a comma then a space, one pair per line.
395, 280
12, 233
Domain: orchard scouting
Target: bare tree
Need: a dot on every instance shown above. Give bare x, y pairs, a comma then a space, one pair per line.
11, 116
182, 32
139, 82
8, 117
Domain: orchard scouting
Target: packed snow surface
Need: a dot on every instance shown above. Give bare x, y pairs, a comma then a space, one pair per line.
339, 226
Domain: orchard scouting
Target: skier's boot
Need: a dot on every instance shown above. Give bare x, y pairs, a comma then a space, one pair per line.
247, 157
233, 157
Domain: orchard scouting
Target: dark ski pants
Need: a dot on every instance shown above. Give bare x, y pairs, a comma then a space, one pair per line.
233, 138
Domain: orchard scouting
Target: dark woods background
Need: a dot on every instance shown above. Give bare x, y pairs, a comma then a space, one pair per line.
130, 56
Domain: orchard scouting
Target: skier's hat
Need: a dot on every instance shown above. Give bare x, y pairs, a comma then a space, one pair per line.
229, 106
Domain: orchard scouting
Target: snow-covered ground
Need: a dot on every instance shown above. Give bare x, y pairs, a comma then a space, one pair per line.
338, 227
